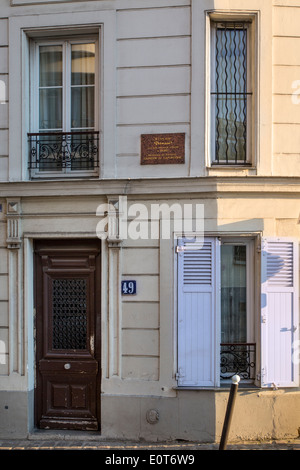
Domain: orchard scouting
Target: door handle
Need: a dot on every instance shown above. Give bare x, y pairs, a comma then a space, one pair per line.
67, 366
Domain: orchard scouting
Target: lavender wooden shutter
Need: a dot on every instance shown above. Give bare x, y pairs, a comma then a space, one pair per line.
279, 313
198, 341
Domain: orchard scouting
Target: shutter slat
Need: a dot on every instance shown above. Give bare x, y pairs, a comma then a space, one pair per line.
197, 264
280, 263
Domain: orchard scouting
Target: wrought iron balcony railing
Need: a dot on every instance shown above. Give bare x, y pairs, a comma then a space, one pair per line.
238, 359
63, 151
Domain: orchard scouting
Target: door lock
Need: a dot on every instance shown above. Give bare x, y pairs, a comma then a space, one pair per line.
67, 366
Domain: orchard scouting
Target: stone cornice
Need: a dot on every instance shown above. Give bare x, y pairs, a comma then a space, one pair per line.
172, 187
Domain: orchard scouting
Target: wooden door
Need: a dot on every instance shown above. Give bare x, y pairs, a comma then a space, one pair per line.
67, 301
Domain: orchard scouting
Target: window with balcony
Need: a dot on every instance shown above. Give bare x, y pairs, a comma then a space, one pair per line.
222, 329
64, 137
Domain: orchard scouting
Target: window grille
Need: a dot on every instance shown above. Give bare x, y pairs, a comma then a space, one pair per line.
69, 313
59, 151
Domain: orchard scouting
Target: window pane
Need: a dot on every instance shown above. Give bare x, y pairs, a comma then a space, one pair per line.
82, 107
83, 64
231, 60
231, 128
233, 294
50, 66
50, 108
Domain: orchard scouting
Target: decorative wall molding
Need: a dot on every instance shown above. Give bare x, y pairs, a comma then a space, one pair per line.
13, 214
41, 2
114, 238
114, 243
15, 267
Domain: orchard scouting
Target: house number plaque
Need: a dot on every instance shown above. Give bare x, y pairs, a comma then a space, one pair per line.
128, 287
162, 149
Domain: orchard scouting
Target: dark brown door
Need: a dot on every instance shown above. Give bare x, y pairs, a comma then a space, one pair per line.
67, 295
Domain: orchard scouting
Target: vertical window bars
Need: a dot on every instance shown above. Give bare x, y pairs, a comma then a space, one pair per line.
230, 92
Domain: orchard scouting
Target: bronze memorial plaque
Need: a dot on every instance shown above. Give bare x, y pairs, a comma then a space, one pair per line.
162, 148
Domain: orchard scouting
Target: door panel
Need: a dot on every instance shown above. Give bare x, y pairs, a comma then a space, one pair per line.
67, 279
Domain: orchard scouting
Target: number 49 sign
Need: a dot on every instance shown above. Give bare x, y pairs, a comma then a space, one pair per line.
128, 287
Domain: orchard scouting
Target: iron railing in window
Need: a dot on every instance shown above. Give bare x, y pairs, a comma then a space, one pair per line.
230, 93
58, 151
238, 359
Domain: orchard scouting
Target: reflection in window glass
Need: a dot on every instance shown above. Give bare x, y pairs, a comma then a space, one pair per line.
233, 294
82, 108
83, 86
83, 64
50, 66
50, 100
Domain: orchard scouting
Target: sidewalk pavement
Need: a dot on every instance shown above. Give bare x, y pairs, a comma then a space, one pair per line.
49, 440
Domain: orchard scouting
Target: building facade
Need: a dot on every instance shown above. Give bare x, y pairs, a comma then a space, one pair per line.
149, 217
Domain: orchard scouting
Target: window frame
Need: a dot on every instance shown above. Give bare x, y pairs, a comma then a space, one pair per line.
252, 83
82, 21
249, 93
66, 42
249, 243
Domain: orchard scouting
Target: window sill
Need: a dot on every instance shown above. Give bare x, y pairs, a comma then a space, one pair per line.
231, 165
64, 176
222, 387
231, 170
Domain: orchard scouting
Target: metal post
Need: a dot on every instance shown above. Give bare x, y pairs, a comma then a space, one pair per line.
226, 426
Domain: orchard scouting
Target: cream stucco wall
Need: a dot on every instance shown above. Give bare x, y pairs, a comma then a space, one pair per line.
154, 58
139, 365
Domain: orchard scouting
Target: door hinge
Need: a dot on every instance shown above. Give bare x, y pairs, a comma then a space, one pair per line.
180, 374
179, 249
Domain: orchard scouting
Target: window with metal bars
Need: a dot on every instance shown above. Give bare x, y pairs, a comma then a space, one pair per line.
230, 93
64, 87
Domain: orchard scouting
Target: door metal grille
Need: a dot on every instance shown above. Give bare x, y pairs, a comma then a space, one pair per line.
69, 313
